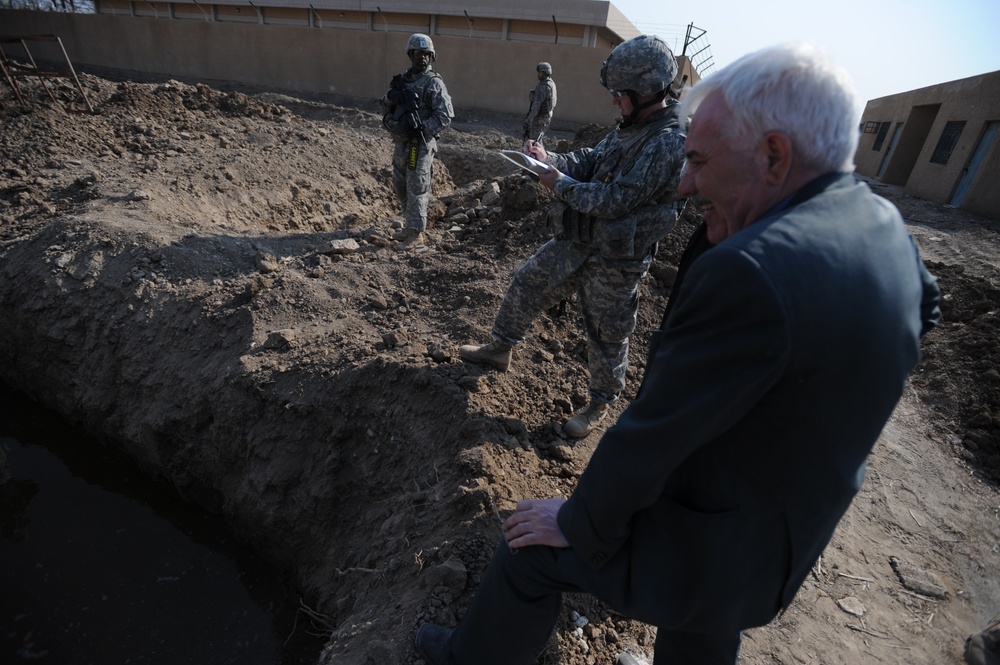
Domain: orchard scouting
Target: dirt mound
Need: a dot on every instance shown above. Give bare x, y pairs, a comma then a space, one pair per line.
207, 280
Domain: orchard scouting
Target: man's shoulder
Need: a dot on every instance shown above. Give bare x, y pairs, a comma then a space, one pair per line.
426, 76
660, 136
836, 195
832, 210
431, 82
437, 81
665, 119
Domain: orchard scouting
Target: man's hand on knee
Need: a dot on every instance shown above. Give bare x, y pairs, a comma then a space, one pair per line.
534, 523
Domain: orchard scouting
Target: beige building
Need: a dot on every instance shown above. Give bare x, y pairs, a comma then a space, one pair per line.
569, 22
939, 143
487, 51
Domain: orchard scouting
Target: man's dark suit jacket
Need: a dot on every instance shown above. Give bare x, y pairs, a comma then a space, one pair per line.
785, 350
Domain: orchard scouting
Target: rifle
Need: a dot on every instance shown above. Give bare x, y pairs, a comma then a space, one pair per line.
404, 108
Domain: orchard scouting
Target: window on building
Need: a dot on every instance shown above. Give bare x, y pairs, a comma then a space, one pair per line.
948, 141
882, 131
871, 127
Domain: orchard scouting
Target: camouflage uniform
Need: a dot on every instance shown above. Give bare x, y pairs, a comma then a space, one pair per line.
543, 103
413, 153
616, 203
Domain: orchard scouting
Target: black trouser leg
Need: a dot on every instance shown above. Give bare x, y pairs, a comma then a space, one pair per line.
517, 605
677, 647
514, 610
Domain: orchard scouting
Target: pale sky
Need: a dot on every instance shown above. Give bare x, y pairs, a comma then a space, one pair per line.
887, 46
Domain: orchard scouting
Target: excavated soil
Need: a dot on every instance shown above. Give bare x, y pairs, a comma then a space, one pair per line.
205, 278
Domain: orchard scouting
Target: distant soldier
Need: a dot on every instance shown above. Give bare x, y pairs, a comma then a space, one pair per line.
417, 109
615, 202
543, 103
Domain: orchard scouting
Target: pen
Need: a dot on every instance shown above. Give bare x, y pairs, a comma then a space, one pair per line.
538, 140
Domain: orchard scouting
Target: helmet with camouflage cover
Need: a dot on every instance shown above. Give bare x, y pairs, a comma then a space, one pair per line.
420, 42
643, 64
544, 67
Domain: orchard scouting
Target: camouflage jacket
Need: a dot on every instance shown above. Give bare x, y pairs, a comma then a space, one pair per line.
619, 197
543, 99
434, 105
632, 167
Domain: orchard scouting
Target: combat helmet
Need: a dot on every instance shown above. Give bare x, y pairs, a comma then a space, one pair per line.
420, 42
544, 67
643, 64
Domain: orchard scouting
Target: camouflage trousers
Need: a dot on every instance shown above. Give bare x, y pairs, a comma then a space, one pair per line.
538, 126
608, 292
411, 179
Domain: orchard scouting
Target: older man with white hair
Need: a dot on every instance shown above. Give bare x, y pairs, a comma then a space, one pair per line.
787, 343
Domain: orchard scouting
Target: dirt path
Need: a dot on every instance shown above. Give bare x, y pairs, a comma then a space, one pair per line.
206, 280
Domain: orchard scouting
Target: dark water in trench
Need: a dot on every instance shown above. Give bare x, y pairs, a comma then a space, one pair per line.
101, 564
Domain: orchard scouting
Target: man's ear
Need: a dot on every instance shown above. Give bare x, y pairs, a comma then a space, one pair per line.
778, 149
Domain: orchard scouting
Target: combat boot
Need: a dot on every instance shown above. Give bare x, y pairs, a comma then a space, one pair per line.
416, 242
584, 422
410, 238
626, 659
405, 233
432, 643
495, 353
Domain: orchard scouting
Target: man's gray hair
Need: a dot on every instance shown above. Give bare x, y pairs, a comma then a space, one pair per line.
795, 89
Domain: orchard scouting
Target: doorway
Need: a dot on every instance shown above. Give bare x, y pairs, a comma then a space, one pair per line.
892, 146
978, 155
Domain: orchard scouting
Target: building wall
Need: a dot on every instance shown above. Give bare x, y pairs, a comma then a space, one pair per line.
481, 73
941, 128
